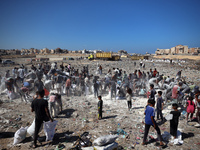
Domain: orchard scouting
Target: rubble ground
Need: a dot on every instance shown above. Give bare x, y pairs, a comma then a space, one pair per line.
79, 114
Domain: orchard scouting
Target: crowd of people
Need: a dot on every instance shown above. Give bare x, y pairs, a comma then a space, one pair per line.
50, 81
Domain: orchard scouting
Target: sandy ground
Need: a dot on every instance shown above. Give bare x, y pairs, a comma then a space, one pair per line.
177, 57
80, 114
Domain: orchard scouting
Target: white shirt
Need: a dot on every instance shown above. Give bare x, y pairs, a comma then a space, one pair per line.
21, 73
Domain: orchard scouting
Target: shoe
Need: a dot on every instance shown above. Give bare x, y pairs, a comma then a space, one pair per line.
197, 125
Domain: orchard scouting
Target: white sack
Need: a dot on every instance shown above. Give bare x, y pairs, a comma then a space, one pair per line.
20, 135
31, 129
86, 90
104, 140
111, 146
11, 95
169, 117
166, 136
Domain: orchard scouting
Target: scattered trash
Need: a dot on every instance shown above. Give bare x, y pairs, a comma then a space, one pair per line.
60, 146
111, 146
104, 140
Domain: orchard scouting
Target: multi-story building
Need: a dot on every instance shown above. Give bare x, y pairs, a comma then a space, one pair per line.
179, 49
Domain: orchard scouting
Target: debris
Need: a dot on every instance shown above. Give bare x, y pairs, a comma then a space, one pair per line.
104, 140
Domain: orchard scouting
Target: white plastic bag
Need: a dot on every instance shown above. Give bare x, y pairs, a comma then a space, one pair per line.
169, 117
111, 146
11, 95
86, 90
104, 140
48, 84
56, 109
49, 129
20, 135
2, 86
31, 129
63, 89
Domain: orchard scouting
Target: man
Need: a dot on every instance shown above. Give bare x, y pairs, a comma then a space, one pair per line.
113, 88
159, 106
39, 86
178, 75
14, 72
39, 73
100, 108
21, 74
59, 83
68, 85
152, 92
40, 107
96, 87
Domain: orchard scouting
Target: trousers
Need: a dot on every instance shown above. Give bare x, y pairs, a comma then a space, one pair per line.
159, 114
38, 124
147, 127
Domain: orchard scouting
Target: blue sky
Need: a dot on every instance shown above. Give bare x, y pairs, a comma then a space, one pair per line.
137, 26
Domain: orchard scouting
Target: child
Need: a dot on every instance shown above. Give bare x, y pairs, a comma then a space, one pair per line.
159, 106
128, 98
174, 122
190, 108
59, 100
52, 106
149, 121
100, 107
152, 92
36, 95
198, 110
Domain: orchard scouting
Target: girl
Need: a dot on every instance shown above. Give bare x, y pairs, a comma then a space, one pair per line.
190, 108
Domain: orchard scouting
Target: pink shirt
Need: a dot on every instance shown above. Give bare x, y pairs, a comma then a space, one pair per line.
52, 98
190, 107
174, 92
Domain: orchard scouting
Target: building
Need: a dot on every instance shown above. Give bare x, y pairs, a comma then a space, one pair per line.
179, 49
195, 50
163, 51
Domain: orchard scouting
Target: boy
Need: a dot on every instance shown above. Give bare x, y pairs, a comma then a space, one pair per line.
40, 107
149, 121
174, 122
100, 107
152, 92
159, 106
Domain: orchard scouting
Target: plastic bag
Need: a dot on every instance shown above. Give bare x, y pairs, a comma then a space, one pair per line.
169, 117
104, 140
111, 146
31, 129
20, 135
166, 136
56, 109
46, 92
64, 90
48, 84
11, 95
3, 84
86, 90
49, 129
